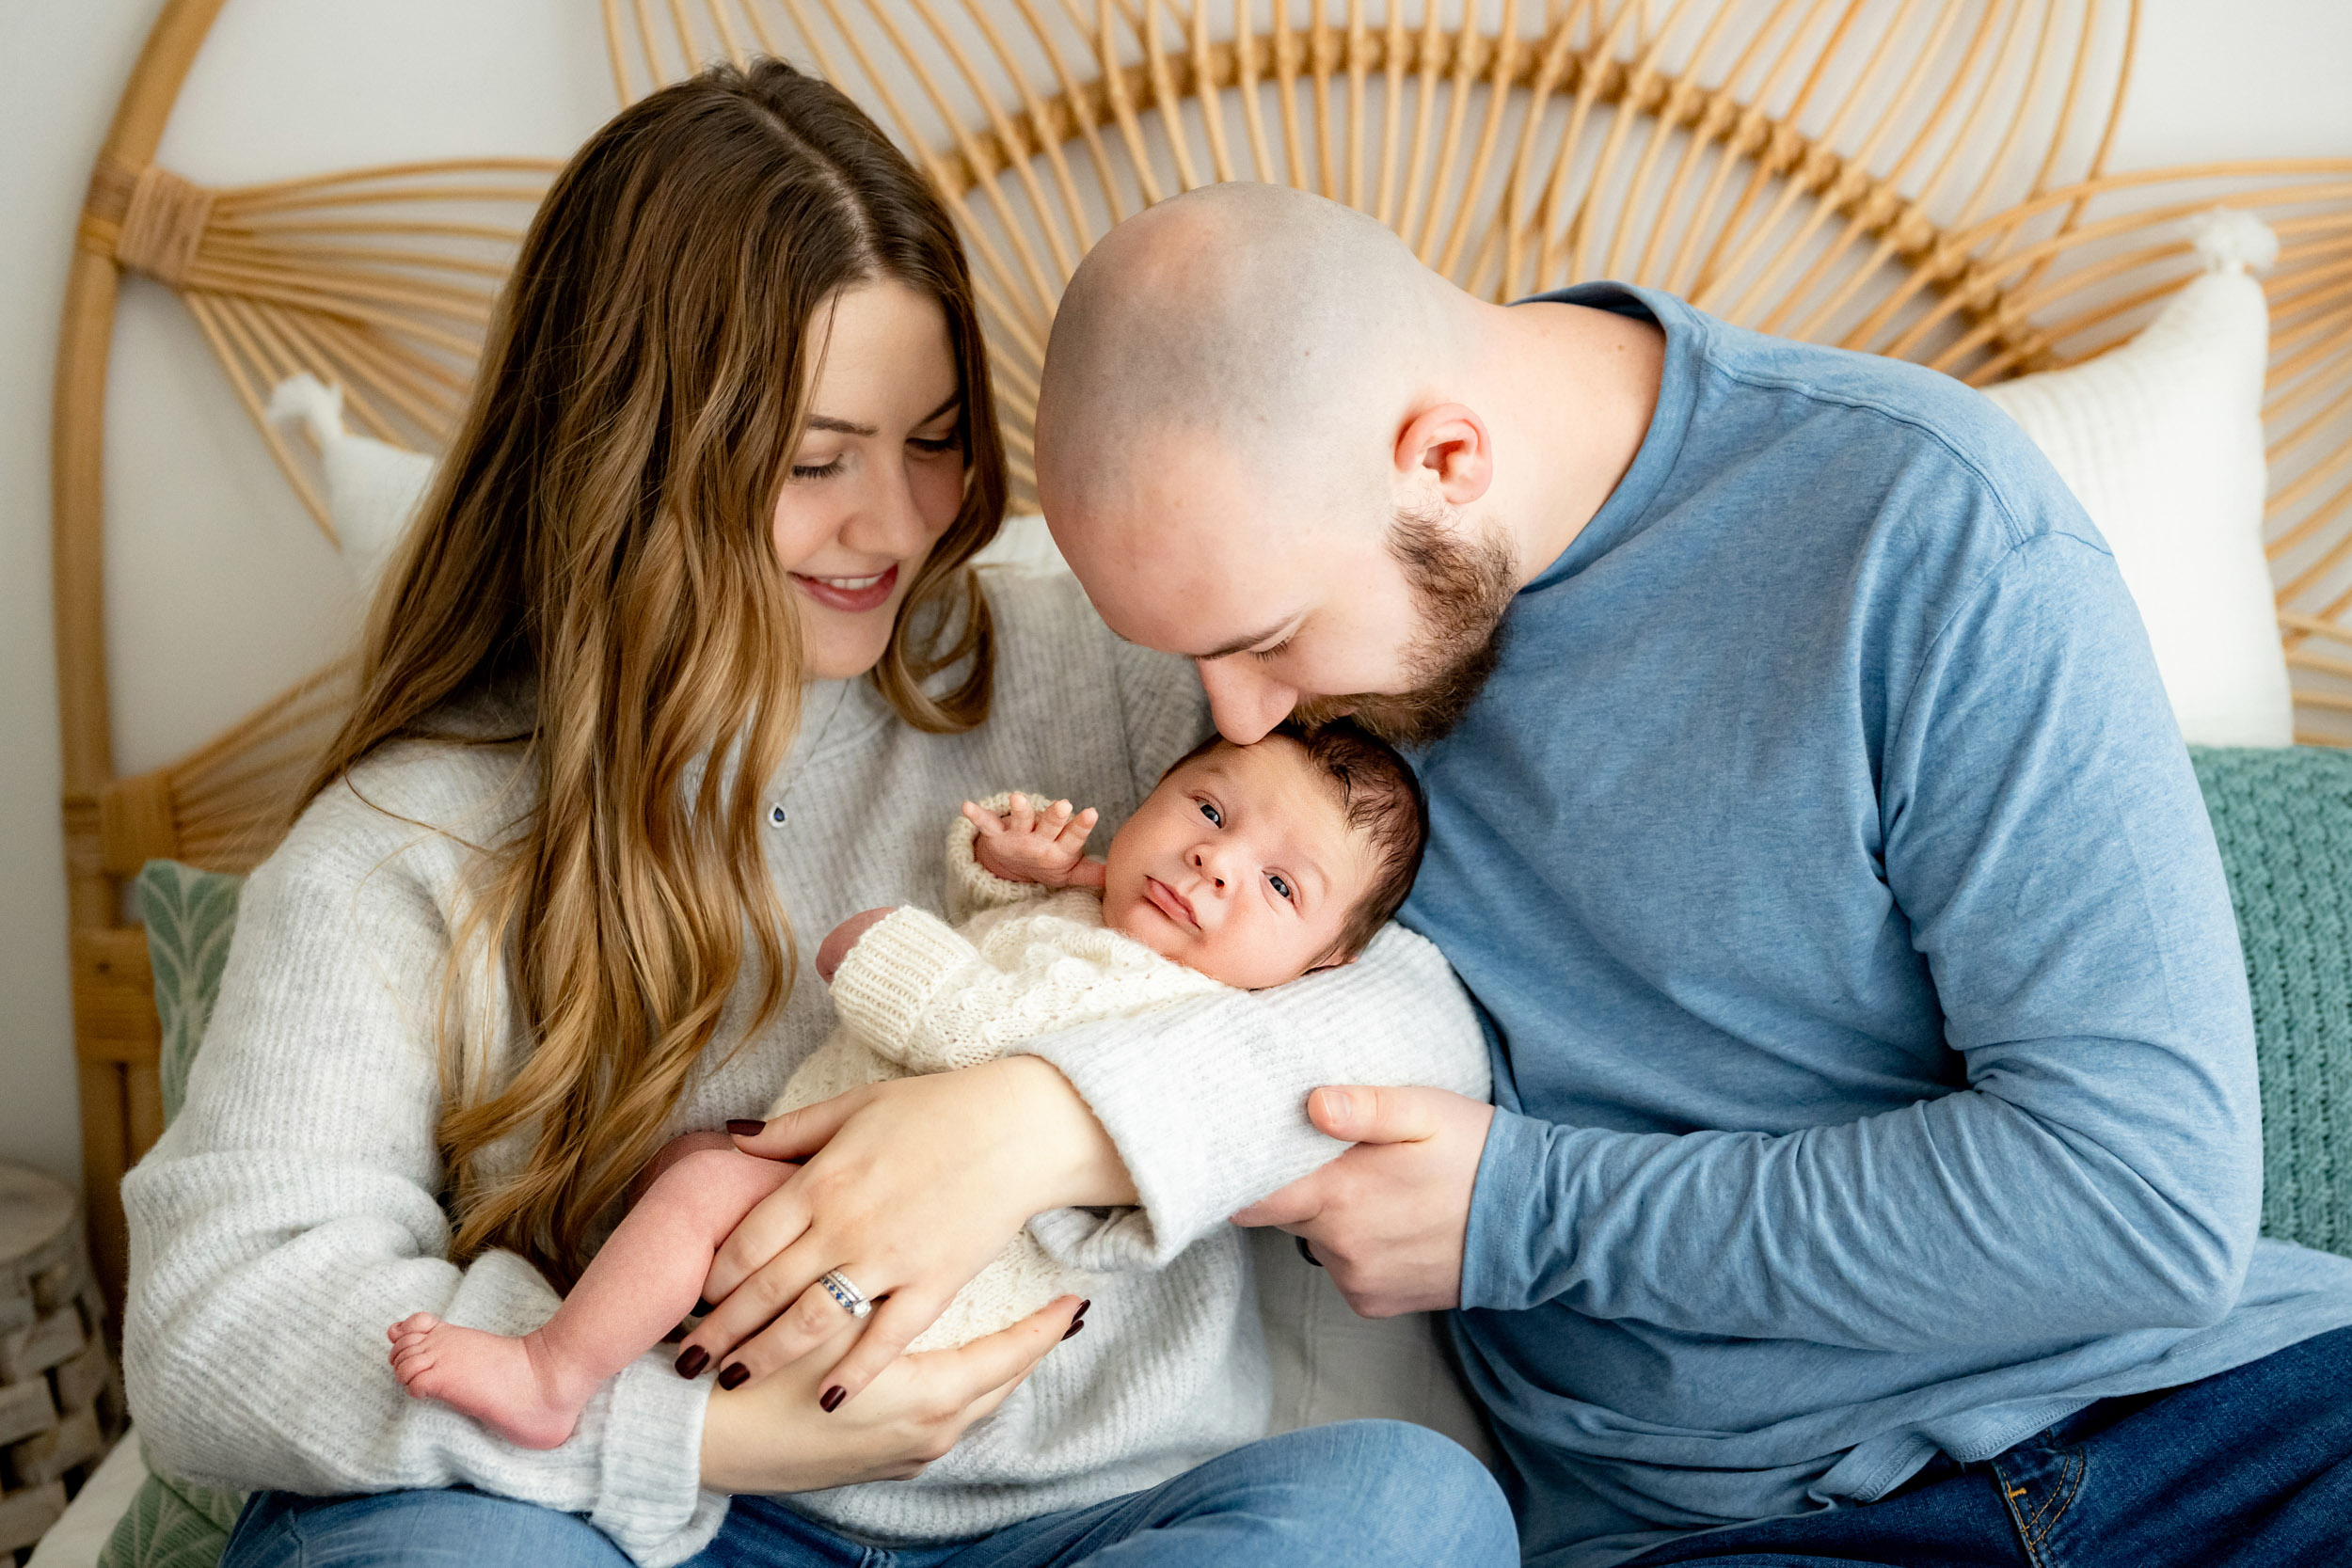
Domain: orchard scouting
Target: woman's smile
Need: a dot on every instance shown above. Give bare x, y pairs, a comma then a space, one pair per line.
854, 595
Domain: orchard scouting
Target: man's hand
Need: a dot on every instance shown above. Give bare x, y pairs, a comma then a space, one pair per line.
1027, 844
1386, 1218
843, 937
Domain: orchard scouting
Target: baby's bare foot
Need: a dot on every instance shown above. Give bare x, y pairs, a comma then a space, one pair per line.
499, 1382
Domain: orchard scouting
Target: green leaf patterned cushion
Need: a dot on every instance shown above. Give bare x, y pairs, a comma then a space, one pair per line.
190, 916
172, 1524
2283, 819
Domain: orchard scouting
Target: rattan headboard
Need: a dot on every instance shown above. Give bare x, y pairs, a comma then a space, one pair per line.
1920, 178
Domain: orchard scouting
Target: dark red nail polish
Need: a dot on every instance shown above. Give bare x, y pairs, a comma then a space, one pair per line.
831, 1402
743, 1127
691, 1361
735, 1376
1075, 1324
1082, 1309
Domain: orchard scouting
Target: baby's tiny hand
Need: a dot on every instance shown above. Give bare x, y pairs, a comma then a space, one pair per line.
1027, 845
836, 946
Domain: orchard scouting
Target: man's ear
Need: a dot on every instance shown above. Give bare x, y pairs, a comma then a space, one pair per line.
1447, 442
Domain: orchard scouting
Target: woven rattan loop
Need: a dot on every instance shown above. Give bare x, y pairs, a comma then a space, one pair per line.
162, 226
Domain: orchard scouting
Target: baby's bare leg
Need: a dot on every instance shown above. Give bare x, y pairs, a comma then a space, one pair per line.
530, 1390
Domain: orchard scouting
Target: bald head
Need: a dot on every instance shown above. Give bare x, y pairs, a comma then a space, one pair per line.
1252, 447
1281, 332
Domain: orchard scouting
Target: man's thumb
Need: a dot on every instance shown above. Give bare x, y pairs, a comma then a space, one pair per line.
1355, 1115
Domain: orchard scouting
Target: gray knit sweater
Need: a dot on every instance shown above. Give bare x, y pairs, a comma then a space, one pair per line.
294, 1209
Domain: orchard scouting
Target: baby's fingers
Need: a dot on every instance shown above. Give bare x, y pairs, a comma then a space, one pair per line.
1073, 835
1022, 817
986, 820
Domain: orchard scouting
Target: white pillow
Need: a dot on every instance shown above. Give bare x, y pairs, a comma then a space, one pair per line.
372, 487
2162, 441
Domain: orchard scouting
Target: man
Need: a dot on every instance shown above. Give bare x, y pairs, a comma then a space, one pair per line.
1876, 1137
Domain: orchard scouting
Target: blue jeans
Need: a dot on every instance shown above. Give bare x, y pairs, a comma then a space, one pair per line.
2250, 1469
1358, 1495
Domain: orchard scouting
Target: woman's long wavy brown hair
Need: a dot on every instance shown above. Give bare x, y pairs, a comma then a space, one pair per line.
598, 539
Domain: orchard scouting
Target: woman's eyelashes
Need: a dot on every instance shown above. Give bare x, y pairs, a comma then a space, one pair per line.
926, 446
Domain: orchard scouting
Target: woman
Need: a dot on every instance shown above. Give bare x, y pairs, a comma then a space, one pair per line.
685, 654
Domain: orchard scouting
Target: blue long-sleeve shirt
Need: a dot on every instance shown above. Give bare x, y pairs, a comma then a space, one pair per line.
1871, 1041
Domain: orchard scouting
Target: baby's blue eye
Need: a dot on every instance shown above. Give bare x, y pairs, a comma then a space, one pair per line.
1215, 819
1280, 885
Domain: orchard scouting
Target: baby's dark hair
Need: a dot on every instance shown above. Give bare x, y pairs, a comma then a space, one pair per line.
1384, 801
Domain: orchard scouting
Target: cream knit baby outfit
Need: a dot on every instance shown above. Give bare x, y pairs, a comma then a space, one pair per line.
916, 995
294, 1208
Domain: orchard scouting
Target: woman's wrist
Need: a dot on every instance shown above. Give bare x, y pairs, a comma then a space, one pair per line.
1072, 1160
725, 1450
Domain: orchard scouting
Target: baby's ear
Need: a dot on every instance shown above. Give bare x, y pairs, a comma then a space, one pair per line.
1335, 963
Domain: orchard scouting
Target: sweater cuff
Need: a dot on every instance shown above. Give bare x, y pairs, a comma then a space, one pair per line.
973, 888
1508, 1208
649, 1497
1096, 1241
892, 976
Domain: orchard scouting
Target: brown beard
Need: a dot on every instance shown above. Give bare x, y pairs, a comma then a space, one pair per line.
1461, 587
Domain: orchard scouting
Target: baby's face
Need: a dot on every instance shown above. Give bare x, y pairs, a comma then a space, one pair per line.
1240, 864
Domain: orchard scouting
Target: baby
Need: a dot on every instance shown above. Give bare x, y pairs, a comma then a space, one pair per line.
1247, 867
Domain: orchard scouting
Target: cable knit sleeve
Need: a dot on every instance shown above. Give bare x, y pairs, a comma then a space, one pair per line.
291, 1213
972, 887
929, 1000
884, 989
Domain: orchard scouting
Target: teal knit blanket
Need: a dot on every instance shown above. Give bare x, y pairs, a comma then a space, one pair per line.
2283, 819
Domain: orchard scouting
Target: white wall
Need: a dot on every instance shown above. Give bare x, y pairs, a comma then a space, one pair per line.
289, 87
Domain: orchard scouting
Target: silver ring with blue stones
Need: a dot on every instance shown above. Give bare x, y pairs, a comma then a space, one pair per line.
852, 1300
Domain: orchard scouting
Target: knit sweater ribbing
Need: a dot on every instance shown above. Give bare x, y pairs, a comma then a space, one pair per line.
294, 1208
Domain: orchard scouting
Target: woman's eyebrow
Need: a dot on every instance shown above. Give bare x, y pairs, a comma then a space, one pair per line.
847, 427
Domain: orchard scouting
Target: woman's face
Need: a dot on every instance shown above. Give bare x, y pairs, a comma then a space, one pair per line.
879, 474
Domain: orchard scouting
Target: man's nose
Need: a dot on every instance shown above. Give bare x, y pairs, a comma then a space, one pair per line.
1246, 703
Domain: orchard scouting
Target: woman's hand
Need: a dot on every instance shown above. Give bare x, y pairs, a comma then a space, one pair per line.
774, 1436
911, 1187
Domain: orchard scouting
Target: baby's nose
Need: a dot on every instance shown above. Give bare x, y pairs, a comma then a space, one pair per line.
1201, 863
